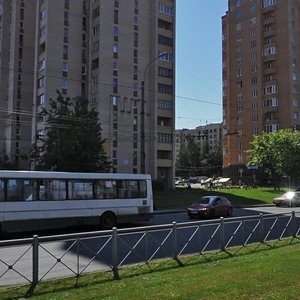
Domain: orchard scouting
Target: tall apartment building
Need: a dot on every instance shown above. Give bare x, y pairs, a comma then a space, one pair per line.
261, 72
103, 50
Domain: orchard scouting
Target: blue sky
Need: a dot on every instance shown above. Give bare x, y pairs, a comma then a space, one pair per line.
199, 62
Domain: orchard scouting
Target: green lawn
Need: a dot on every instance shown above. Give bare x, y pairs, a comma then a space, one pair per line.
263, 274
181, 197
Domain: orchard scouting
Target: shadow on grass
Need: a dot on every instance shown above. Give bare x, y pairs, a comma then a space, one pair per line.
180, 198
45, 289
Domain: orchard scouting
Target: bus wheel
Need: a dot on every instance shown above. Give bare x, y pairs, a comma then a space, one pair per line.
108, 220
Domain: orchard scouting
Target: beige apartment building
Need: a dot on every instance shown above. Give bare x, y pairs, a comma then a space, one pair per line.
261, 72
103, 50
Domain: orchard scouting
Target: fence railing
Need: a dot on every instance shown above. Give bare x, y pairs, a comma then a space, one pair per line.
32, 260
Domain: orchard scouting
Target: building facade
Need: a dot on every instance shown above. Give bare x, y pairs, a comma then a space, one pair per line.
103, 50
261, 72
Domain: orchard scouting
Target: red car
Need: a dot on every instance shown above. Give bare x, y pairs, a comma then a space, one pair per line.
210, 206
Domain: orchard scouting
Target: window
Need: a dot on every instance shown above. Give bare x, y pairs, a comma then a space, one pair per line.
252, 20
254, 106
116, 33
253, 44
64, 84
254, 93
254, 80
165, 72
94, 80
165, 88
165, 138
165, 9
253, 55
65, 52
166, 57
115, 85
163, 104
42, 65
271, 127
41, 99
269, 51
252, 8
253, 68
43, 31
95, 63
135, 39
95, 46
66, 34
43, 14
116, 16
65, 67
164, 40
270, 89
41, 82
254, 118
266, 3
238, 3
96, 12
96, 29
271, 102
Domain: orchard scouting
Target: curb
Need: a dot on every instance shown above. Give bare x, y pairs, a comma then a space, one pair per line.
175, 211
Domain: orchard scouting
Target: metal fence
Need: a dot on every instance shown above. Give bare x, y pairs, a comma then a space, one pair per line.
32, 260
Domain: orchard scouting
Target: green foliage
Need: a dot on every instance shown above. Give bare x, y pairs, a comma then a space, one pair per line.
278, 152
189, 155
6, 163
73, 138
192, 161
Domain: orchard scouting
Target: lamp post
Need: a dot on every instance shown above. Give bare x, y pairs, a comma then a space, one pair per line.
142, 147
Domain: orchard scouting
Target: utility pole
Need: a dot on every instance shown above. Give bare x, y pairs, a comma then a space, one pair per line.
142, 146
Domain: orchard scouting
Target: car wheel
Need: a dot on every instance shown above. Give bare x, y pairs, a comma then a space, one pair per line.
108, 220
229, 212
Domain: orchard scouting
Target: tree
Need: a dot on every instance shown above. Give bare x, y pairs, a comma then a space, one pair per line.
189, 156
212, 159
279, 152
6, 163
72, 138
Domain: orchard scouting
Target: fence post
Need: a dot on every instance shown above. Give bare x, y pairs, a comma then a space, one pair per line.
222, 234
174, 240
35, 265
261, 226
294, 230
115, 253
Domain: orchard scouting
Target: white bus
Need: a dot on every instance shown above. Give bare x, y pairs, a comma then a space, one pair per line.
27, 197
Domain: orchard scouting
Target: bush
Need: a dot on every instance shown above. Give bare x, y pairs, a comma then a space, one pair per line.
158, 186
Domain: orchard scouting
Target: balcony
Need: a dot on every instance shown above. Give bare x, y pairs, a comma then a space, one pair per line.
269, 33
269, 21
165, 163
270, 57
269, 71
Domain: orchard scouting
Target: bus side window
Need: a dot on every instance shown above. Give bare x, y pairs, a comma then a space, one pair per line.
14, 189
143, 189
80, 190
1, 190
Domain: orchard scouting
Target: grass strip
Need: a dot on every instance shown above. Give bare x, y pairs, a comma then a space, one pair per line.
257, 272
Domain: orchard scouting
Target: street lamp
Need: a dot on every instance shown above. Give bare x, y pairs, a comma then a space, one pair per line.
142, 148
